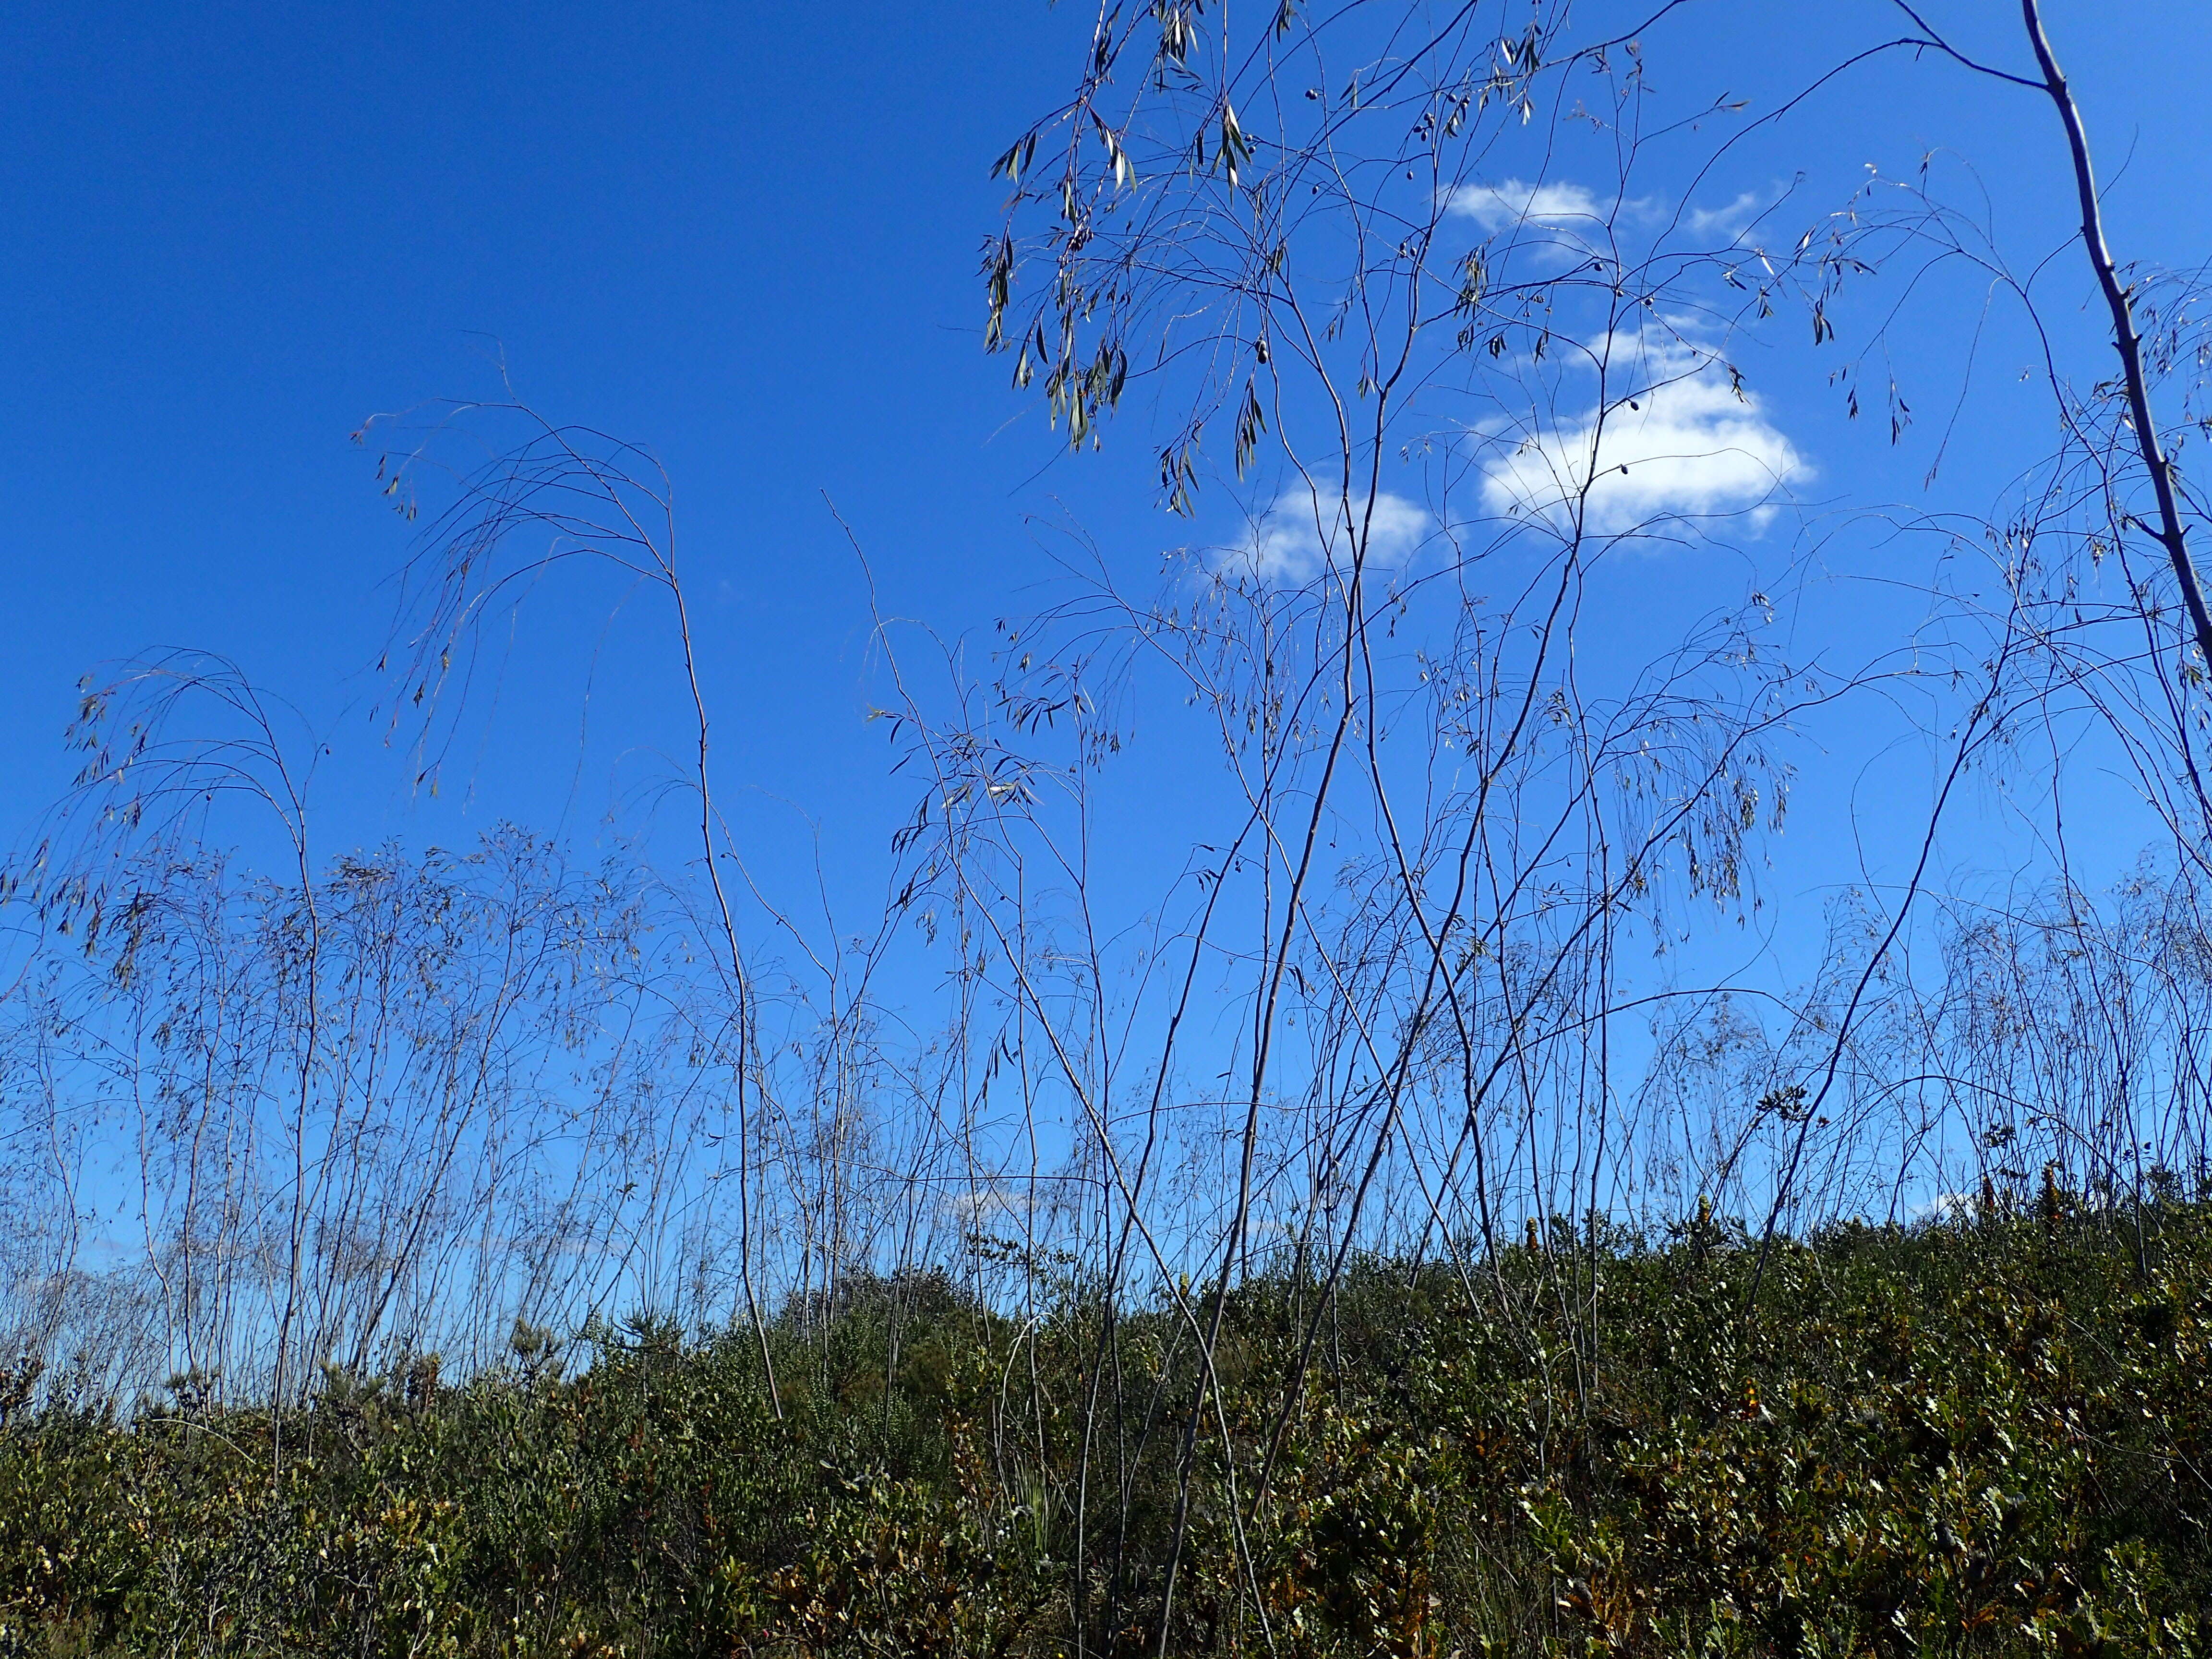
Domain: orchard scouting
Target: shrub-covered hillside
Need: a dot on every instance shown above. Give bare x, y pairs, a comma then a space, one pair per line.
1985, 1439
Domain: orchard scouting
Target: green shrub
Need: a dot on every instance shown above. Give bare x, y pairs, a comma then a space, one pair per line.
1985, 1439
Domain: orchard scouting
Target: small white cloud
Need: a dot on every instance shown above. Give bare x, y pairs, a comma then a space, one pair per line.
1306, 532
1684, 443
1578, 216
980, 1203
1554, 206
1729, 220
1950, 1209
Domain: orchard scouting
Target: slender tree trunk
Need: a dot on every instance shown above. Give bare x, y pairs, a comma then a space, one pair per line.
2119, 301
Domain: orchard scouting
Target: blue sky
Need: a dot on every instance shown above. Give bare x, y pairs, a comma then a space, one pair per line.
747, 237
744, 235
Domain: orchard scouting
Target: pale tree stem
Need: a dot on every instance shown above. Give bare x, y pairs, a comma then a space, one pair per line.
709, 849
2118, 300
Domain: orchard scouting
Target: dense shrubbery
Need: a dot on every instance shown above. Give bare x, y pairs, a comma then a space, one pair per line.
1958, 1439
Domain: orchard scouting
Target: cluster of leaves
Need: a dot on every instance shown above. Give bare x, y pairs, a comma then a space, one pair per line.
1984, 1437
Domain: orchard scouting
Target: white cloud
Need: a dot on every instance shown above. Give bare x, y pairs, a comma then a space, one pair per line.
1731, 219
980, 1203
1679, 442
1555, 206
1950, 1209
1577, 215
1305, 531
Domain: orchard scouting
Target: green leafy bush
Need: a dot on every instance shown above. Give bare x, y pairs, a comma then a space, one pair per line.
1958, 1439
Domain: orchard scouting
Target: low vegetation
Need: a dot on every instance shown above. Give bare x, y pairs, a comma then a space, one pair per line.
1965, 1438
